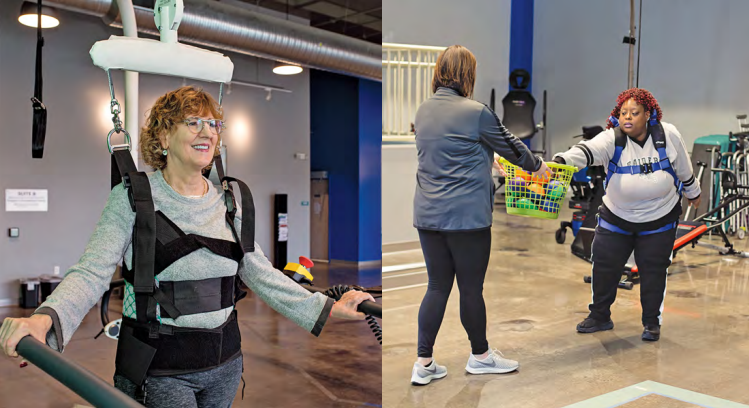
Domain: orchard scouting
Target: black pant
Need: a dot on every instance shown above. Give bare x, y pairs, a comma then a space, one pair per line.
653, 257
451, 254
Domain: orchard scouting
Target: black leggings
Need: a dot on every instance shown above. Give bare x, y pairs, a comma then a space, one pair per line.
451, 254
653, 257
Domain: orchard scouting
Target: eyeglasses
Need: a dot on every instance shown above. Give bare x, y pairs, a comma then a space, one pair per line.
195, 125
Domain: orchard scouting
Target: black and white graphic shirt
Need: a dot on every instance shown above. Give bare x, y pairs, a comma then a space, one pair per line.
638, 198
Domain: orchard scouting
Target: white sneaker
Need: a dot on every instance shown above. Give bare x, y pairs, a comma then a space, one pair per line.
421, 375
495, 363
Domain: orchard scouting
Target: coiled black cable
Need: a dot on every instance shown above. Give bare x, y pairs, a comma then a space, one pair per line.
376, 329
337, 291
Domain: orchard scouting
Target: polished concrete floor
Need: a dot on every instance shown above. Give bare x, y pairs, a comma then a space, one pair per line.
284, 366
535, 295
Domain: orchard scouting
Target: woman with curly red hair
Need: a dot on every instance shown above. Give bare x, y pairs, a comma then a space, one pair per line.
648, 171
184, 349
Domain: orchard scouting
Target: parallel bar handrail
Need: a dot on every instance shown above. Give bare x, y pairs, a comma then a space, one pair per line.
79, 380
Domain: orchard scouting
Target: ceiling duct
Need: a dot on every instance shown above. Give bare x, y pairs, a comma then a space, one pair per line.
231, 28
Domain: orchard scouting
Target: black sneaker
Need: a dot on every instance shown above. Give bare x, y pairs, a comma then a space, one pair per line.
590, 325
652, 332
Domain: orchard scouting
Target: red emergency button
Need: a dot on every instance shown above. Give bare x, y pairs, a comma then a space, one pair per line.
306, 262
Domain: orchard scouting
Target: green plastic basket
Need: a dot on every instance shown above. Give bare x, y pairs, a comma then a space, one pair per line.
539, 197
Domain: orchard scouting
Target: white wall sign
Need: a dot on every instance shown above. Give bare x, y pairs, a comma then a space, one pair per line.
26, 200
283, 227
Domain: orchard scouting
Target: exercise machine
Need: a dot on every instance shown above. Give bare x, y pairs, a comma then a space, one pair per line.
519, 106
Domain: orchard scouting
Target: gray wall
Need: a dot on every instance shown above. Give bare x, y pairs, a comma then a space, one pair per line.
693, 59
262, 140
483, 26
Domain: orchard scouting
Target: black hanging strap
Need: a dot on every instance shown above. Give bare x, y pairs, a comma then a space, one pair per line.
39, 124
122, 164
218, 164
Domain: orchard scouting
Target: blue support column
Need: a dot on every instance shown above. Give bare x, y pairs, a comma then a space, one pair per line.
370, 170
521, 41
521, 37
346, 142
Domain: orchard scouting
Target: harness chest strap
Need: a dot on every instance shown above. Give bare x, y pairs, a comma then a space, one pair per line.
659, 141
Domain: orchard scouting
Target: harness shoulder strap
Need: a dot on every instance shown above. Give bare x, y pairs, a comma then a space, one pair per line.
620, 141
248, 212
144, 231
659, 141
144, 245
247, 239
122, 165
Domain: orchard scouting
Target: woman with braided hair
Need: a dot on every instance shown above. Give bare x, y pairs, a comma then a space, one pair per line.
648, 170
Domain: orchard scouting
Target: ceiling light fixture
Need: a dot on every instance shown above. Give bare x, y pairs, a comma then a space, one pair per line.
29, 16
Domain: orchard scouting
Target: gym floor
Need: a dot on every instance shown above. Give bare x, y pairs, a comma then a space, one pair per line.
284, 366
535, 296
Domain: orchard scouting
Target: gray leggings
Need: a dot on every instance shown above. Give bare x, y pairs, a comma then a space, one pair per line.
213, 388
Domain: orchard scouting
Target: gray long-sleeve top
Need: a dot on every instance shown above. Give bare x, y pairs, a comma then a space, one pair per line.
86, 281
455, 140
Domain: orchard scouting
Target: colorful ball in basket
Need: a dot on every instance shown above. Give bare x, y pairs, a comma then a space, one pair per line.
555, 190
516, 187
526, 204
542, 179
520, 173
535, 192
548, 205
531, 201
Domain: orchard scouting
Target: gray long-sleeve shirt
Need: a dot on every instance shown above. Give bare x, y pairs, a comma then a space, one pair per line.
455, 140
86, 281
638, 198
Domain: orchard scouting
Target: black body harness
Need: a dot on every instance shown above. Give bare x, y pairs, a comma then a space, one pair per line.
146, 347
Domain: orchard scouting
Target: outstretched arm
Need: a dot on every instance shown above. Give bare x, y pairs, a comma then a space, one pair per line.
309, 311
593, 152
86, 281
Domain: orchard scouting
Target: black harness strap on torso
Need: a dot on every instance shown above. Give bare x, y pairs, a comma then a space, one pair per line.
248, 206
247, 241
144, 246
178, 350
189, 297
172, 244
178, 298
192, 297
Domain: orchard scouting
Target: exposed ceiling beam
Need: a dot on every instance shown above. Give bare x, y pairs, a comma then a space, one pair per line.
307, 3
337, 19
